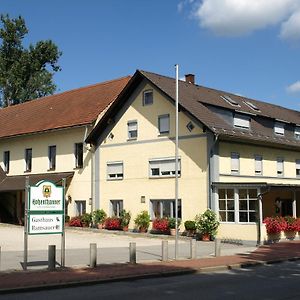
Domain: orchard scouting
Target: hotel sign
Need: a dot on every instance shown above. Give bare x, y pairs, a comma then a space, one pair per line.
45, 208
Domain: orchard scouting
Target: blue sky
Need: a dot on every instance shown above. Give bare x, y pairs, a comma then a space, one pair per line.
248, 47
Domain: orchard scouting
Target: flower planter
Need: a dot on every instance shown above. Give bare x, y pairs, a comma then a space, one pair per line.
142, 230
125, 228
274, 237
173, 231
290, 235
205, 237
100, 225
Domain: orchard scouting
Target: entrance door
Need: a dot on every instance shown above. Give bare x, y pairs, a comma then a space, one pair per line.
286, 207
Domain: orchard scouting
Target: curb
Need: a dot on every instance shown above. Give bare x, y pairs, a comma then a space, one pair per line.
179, 272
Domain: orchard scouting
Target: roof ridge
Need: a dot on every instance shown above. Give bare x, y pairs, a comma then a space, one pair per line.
63, 93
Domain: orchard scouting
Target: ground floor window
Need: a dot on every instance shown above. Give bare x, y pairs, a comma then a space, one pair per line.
80, 207
115, 207
238, 205
164, 209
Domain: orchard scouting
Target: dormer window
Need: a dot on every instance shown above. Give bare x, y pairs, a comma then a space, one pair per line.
241, 121
230, 100
297, 132
252, 106
279, 128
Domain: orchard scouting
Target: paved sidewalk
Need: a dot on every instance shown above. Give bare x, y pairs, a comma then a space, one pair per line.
34, 280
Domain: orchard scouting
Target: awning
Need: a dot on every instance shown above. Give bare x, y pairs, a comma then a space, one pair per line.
17, 183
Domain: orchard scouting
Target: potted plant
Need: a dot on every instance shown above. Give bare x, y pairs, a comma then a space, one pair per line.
172, 225
190, 227
142, 221
99, 217
160, 226
125, 217
113, 223
274, 226
290, 228
75, 222
207, 224
86, 219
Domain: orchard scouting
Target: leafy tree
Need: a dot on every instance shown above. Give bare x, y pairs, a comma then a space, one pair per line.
25, 74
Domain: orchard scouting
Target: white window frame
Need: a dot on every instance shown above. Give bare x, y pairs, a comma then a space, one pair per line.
248, 210
226, 210
80, 207
161, 122
117, 174
144, 97
132, 129
258, 165
241, 121
279, 128
119, 206
280, 166
162, 203
297, 165
235, 167
164, 167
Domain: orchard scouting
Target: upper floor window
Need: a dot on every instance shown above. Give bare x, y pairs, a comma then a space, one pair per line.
6, 161
115, 170
258, 164
297, 132
298, 167
164, 167
28, 159
78, 155
280, 169
229, 100
251, 105
148, 97
235, 163
132, 129
241, 121
164, 123
52, 157
279, 128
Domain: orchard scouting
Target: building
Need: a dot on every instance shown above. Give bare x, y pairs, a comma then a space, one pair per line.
44, 139
238, 156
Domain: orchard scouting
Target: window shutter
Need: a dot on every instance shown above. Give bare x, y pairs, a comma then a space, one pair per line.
132, 126
241, 121
235, 162
279, 128
164, 123
116, 168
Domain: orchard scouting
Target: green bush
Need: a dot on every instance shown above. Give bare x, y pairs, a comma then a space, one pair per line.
125, 217
86, 219
172, 223
207, 223
99, 216
142, 220
190, 225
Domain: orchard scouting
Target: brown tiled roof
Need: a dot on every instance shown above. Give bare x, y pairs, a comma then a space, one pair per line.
197, 100
72, 108
17, 183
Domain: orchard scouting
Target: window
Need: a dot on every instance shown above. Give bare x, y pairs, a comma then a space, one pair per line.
280, 170
80, 207
164, 167
164, 209
78, 155
258, 164
115, 170
6, 159
132, 129
298, 167
226, 205
297, 132
241, 121
164, 124
230, 100
28, 159
190, 126
279, 128
251, 105
148, 97
247, 205
235, 163
52, 157
115, 208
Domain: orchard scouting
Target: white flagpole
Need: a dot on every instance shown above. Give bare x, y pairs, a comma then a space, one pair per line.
176, 165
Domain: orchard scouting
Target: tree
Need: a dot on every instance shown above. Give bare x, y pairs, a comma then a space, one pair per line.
25, 74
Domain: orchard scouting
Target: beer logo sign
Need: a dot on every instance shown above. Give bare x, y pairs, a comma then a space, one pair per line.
46, 191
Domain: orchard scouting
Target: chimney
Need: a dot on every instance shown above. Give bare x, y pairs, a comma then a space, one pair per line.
190, 78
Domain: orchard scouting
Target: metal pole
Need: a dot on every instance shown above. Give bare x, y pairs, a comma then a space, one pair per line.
164, 251
0, 258
193, 249
51, 257
26, 224
132, 253
176, 165
63, 237
217, 247
93, 255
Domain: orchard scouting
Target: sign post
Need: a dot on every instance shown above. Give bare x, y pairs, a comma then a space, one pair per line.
44, 213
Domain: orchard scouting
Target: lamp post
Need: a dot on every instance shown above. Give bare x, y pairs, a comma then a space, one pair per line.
176, 164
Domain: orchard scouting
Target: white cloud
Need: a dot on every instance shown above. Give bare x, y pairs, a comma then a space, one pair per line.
240, 17
294, 88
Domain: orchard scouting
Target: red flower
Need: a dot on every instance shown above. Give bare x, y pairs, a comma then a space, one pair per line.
161, 225
75, 222
113, 223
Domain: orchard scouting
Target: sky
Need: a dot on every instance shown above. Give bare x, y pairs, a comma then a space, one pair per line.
247, 47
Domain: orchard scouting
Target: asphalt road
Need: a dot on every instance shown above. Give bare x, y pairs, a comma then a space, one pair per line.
277, 281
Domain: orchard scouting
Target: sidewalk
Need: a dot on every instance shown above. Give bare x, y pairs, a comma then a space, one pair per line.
33, 280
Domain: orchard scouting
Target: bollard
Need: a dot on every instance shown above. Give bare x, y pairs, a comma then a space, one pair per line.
132, 253
51, 257
93, 255
164, 248
217, 247
193, 249
0, 258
